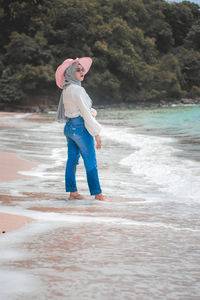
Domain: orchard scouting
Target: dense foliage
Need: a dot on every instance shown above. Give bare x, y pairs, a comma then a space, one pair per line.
141, 49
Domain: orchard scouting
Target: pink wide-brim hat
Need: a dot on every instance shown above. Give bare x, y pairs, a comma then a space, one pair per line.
86, 62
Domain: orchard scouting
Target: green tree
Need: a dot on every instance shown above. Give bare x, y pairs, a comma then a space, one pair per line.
181, 17
142, 50
193, 37
189, 62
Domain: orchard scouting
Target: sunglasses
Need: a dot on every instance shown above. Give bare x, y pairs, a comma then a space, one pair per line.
80, 70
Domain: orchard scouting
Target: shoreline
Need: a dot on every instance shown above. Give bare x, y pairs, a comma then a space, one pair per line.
35, 109
152, 104
11, 164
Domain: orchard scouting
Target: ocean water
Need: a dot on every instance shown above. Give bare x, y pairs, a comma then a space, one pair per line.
144, 244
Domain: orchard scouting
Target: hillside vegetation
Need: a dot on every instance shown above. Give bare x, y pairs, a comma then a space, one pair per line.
142, 50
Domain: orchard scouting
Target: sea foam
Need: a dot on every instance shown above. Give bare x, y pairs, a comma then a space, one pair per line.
155, 160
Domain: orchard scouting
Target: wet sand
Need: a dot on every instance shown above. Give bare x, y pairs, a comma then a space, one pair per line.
11, 164
10, 222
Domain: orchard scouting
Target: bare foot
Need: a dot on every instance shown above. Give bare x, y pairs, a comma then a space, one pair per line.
102, 198
75, 195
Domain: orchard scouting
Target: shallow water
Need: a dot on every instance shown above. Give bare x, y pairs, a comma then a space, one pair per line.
142, 245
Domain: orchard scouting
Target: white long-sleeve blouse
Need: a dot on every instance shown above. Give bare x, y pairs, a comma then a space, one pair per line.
77, 103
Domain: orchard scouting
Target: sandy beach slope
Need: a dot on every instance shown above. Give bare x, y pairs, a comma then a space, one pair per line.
10, 165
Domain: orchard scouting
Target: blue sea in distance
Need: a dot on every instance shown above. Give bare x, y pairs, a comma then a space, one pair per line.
178, 121
183, 119
144, 244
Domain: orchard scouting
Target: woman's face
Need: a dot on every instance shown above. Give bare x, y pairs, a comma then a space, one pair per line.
79, 72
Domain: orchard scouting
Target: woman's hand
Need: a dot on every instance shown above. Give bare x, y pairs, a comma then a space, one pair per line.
98, 141
93, 114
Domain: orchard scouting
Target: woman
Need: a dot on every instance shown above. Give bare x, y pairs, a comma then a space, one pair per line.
81, 127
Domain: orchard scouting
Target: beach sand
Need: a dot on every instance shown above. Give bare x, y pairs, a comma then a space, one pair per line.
10, 165
10, 222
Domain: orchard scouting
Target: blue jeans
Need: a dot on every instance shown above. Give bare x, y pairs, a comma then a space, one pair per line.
80, 142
